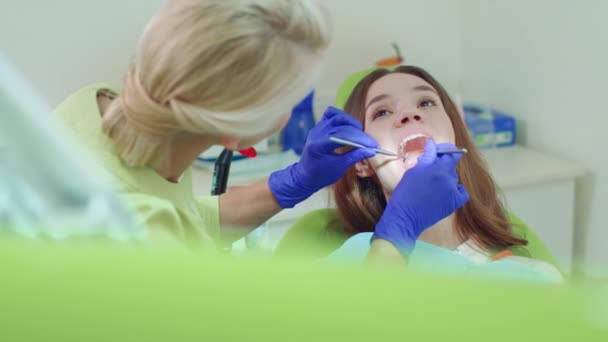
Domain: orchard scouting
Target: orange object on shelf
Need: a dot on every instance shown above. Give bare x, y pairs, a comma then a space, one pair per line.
391, 61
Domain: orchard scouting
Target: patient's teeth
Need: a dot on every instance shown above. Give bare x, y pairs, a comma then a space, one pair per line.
408, 138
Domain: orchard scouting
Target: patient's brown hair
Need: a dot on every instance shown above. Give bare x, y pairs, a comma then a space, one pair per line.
361, 202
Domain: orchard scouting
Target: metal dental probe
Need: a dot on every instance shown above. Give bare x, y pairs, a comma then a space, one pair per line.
386, 152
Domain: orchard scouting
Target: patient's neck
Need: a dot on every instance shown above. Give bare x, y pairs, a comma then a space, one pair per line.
443, 234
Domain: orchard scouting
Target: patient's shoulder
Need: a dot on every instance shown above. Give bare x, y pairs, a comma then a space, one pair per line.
540, 266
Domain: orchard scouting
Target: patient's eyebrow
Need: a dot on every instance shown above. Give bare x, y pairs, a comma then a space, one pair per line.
376, 99
424, 87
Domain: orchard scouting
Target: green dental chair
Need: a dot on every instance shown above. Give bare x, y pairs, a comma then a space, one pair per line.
320, 232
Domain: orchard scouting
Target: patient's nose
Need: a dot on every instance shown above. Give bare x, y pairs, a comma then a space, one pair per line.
408, 117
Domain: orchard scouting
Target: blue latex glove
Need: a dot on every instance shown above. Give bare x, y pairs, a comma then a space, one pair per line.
427, 193
320, 165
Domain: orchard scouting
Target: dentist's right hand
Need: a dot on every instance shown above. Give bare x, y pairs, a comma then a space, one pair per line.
320, 164
427, 193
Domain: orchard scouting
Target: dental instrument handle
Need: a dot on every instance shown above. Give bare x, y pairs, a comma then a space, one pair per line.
354, 144
389, 153
459, 150
221, 169
386, 153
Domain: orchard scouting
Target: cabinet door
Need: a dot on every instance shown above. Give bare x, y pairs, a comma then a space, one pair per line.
548, 208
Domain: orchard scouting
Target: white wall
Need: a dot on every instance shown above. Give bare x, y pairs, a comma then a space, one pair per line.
545, 61
63, 45
428, 33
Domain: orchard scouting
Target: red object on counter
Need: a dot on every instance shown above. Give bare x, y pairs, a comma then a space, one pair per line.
249, 152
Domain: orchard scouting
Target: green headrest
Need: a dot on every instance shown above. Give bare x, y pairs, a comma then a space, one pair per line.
347, 86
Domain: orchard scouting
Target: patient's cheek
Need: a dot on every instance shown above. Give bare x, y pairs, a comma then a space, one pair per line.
391, 170
389, 173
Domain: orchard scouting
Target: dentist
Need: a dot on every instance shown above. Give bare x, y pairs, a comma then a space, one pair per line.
221, 72
213, 72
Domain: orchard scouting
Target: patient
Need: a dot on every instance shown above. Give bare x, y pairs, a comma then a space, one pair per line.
405, 110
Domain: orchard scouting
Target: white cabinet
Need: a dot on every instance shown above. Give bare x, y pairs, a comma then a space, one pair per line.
541, 190
538, 188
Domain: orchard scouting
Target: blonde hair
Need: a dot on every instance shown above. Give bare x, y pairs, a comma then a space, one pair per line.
216, 67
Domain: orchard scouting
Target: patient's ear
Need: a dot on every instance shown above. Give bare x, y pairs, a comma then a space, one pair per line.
364, 169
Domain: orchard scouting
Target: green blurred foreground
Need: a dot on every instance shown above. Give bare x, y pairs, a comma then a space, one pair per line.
87, 291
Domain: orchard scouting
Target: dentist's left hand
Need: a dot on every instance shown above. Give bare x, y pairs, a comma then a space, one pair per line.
320, 165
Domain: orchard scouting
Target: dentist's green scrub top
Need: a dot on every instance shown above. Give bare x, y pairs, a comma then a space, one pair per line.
169, 211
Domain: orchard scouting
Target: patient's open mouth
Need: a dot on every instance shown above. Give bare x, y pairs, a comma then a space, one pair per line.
412, 146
